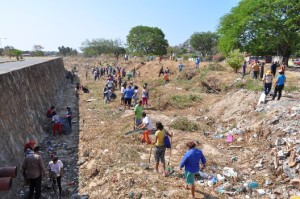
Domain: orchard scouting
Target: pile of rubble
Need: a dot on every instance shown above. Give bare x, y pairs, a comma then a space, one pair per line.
274, 172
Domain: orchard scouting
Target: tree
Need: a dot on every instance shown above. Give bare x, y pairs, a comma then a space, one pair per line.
96, 47
67, 51
17, 53
144, 40
261, 27
119, 51
204, 42
235, 59
38, 50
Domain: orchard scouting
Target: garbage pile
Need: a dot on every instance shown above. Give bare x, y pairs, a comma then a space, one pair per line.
274, 172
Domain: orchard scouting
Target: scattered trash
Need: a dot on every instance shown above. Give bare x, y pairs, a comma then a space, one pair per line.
229, 138
253, 185
261, 191
229, 172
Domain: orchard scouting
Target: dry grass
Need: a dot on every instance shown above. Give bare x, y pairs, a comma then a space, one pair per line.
117, 158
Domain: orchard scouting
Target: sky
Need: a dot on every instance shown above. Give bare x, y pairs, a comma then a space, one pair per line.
53, 23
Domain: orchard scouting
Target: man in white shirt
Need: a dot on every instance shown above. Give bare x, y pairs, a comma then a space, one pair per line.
146, 124
55, 168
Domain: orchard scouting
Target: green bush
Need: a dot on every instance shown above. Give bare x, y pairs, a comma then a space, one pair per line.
254, 85
235, 59
183, 101
184, 124
250, 84
291, 88
215, 67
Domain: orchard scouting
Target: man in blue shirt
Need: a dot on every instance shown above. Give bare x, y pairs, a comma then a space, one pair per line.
128, 94
180, 67
279, 84
197, 62
190, 162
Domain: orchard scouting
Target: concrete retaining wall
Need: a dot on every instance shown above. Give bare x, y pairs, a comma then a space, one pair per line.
25, 96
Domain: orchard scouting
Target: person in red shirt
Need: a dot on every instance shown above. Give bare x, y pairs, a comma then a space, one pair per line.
166, 77
49, 113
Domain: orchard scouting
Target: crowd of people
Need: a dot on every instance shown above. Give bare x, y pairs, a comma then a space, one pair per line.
257, 70
117, 78
33, 166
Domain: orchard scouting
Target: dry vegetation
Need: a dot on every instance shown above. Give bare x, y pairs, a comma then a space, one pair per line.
115, 165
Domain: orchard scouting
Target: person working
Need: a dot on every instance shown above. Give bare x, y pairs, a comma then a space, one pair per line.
191, 160
33, 167
146, 123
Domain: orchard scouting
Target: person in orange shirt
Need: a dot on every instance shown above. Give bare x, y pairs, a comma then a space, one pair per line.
255, 69
166, 77
146, 123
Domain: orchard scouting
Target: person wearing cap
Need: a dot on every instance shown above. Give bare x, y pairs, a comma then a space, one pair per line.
191, 160
33, 168
28, 147
146, 123
267, 79
279, 84
56, 170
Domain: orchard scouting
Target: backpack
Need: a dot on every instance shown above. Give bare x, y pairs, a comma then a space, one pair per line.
167, 141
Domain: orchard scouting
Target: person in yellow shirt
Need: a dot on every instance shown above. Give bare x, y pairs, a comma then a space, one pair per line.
160, 149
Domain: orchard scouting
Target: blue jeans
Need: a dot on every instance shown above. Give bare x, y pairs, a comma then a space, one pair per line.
268, 87
138, 121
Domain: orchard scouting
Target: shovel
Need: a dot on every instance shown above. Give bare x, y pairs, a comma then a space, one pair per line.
150, 153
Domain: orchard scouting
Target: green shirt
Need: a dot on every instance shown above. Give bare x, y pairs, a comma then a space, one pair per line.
138, 110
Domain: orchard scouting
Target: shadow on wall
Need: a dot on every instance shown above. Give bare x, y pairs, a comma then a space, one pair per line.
25, 95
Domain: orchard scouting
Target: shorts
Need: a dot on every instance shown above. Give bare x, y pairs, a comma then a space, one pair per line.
127, 101
190, 178
159, 154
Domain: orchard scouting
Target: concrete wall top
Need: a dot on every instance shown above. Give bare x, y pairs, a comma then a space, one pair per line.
16, 65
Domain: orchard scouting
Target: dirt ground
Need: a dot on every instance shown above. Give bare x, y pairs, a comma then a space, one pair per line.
112, 165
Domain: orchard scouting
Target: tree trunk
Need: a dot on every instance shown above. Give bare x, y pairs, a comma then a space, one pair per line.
285, 59
285, 52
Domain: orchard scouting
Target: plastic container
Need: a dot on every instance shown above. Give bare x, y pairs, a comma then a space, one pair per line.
253, 185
